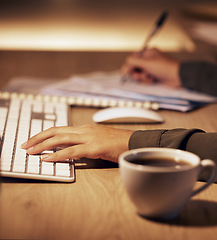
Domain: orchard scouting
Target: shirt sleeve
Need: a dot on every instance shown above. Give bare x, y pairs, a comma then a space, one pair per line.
174, 138
193, 140
199, 76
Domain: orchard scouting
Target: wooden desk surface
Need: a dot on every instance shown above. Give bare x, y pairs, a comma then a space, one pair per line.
96, 206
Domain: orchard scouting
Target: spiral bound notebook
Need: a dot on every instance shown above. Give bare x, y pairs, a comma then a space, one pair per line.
82, 101
104, 89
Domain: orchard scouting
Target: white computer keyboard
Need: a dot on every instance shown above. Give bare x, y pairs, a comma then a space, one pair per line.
21, 117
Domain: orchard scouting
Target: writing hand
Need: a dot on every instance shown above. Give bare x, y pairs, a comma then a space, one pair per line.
153, 66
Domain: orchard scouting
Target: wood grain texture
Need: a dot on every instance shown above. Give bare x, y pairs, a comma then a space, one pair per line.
96, 206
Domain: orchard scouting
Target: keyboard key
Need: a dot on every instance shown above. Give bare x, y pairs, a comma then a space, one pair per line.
49, 108
33, 164
19, 168
3, 115
47, 124
5, 166
19, 160
36, 127
63, 169
37, 107
47, 168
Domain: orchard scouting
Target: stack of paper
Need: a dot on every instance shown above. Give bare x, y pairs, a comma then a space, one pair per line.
108, 86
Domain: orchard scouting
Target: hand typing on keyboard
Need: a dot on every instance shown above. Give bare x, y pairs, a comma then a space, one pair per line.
22, 117
89, 141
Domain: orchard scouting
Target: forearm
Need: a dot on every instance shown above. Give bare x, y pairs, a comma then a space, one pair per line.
192, 140
174, 138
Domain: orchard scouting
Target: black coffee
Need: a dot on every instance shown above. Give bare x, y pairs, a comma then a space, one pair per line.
161, 162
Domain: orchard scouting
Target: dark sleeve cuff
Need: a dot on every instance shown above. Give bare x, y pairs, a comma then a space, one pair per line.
175, 138
204, 145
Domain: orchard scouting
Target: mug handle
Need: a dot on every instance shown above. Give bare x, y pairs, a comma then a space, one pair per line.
211, 164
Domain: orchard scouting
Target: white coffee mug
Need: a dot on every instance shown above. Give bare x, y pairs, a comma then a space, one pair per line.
162, 191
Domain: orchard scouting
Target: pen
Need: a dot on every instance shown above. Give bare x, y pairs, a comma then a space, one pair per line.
159, 23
